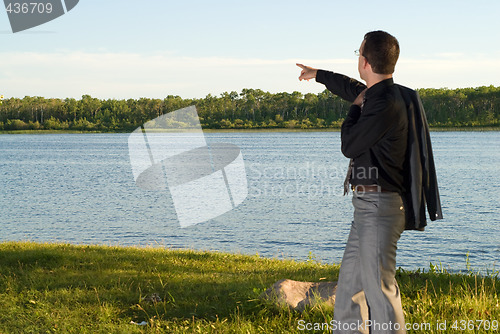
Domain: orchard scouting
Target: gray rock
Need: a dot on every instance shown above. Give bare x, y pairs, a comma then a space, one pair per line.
297, 295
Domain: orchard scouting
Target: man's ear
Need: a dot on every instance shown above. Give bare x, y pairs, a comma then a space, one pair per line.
366, 64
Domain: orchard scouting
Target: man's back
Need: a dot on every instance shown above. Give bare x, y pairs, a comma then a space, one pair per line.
375, 136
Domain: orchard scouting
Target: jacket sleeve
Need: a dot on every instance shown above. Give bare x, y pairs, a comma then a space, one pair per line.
341, 85
430, 184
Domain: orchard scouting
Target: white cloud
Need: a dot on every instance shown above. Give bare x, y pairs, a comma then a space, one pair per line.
130, 75
449, 70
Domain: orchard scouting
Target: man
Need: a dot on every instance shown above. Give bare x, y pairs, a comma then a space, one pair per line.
374, 136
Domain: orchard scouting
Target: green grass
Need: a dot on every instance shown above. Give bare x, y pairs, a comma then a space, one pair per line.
61, 288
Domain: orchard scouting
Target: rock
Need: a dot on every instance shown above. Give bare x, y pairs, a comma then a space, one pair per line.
297, 295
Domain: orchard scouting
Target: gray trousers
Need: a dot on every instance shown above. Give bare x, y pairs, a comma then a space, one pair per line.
367, 297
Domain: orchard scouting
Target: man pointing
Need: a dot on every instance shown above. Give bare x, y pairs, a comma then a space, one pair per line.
374, 136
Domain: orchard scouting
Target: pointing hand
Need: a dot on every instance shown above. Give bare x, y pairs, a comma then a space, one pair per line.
307, 72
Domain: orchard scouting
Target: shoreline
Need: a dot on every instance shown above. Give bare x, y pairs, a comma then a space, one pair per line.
434, 266
256, 130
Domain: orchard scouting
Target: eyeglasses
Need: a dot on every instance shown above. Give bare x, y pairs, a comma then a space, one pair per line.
357, 53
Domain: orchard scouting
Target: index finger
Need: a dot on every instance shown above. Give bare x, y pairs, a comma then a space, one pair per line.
301, 66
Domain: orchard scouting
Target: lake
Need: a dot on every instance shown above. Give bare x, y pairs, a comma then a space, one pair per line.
79, 189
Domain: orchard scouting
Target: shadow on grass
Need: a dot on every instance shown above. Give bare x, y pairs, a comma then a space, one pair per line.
190, 283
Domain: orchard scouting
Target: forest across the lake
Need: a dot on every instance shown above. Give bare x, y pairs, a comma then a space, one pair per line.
250, 109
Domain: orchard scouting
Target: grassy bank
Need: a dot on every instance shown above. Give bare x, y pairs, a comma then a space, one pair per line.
60, 288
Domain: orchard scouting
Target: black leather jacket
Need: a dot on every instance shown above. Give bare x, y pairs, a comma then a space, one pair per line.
420, 179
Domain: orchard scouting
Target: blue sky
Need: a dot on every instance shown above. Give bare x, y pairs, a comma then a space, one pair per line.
152, 48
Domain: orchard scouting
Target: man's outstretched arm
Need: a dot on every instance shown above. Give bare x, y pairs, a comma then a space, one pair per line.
339, 84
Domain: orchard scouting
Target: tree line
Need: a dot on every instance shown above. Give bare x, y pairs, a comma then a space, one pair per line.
252, 108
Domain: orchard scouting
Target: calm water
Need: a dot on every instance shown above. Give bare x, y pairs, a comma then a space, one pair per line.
80, 189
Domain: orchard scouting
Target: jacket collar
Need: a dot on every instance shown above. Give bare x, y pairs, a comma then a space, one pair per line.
379, 87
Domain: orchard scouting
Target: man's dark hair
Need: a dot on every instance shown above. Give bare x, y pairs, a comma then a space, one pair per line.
382, 51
